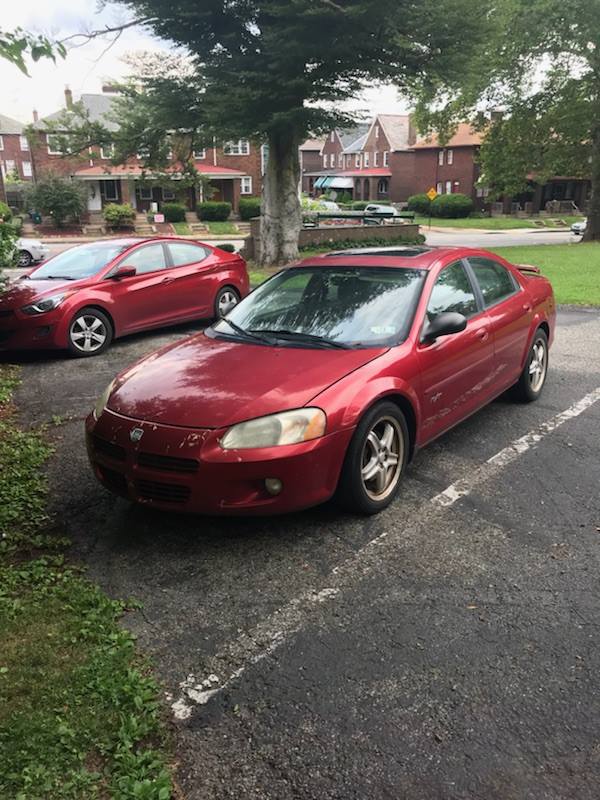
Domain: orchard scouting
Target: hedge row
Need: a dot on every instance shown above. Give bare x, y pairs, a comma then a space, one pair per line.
249, 207
449, 206
213, 211
174, 212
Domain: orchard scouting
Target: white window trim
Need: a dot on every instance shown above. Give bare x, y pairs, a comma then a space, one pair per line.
52, 152
449, 157
246, 181
366, 160
167, 194
440, 187
448, 187
357, 160
376, 158
377, 131
27, 173
10, 169
325, 161
386, 158
110, 150
440, 158
198, 155
332, 136
340, 159
114, 184
239, 148
142, 192
23, 144
1, 143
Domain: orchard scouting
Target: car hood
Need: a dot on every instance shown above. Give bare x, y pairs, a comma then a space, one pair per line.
213, 383
23, 292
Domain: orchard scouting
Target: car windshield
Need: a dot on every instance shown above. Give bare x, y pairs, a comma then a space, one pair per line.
80, 262
330, 306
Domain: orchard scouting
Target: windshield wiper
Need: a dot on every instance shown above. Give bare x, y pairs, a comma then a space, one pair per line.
57, 278
309, 338
245, 333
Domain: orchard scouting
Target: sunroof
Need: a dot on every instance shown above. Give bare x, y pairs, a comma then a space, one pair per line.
400, 252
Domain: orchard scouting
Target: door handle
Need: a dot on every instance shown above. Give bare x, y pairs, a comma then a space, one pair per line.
167, 280
526, 306
483, 335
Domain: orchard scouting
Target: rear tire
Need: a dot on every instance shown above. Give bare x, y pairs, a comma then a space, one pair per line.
533, 378
226, 299
25, 258
375, 460
90, 333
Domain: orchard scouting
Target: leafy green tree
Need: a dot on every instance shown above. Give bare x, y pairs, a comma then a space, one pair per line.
18, 45
59, 198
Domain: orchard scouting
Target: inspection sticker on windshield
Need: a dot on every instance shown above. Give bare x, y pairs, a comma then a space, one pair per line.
383, 330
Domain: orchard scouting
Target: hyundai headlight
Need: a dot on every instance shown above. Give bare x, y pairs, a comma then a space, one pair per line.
288, 427
47, 304
103, 399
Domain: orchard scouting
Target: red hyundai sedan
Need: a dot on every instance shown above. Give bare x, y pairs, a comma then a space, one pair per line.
323, 381
85, 297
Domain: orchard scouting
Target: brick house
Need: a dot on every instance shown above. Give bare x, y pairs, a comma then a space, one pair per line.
310, 161
234, 168
15, 155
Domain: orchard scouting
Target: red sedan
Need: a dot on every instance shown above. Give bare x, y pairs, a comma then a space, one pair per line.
323, 381
85, 297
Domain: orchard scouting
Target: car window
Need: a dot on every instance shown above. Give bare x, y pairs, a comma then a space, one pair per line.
494, 280
452, 291
149, 258
184, 253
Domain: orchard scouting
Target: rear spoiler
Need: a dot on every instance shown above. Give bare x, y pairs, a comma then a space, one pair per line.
528, 269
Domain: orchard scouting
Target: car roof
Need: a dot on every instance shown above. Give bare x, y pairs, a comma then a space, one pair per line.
412, 256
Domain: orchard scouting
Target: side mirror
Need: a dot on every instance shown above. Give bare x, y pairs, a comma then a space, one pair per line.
444, 324
124, 272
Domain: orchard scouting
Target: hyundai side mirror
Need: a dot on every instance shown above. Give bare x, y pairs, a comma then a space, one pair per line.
124, 272
442, 325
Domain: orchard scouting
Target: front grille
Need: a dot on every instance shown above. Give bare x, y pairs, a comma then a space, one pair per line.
114, 480
162, 492
167, 463
109, 449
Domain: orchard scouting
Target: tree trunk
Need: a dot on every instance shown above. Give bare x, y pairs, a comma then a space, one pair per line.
281, 213
592, 230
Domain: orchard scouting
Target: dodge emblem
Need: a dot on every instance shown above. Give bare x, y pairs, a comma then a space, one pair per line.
135, 434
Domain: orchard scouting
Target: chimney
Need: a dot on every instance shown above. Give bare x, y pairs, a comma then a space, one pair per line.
35, 115
110, 88
68, 98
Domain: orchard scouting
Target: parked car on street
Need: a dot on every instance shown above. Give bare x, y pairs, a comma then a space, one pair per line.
31, 251
578, 228
83, 298
377, 208
324, 381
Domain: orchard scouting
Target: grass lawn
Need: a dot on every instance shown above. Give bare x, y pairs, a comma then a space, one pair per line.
574, 269
79, 712
222, 228
495, 223
181, 228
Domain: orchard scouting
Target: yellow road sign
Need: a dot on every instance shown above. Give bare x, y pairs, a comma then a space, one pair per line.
432, 194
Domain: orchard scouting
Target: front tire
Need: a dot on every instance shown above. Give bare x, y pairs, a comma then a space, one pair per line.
530, 384
90, 333
25, 258
375, 460
226, 299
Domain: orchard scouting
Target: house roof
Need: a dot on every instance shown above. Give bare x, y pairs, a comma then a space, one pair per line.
312, 144
376, 172
10, 125
98, 107
397, 130
465, 136
349, 136
136, 170
357, 145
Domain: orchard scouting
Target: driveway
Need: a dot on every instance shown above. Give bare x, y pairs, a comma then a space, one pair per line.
446, 648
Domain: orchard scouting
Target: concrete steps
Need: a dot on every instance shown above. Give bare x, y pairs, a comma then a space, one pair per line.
93, 229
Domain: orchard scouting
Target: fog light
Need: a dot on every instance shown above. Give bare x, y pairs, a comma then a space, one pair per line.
41, 332
273, 485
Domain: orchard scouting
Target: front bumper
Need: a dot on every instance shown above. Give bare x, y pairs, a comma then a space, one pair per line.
185, 469
19, 331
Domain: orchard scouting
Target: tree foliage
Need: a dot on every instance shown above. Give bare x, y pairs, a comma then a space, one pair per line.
18, 45
59, 198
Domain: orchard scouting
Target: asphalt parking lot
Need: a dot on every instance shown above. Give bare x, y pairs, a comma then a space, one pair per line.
445, 649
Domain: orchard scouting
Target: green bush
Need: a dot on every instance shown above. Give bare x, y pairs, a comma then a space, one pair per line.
343, 197
452, 206
349, 244
359, 205
57, 197
213, 211
8, 251
5, 212
249, 207
229, 248
419, 203
174, 212
119, 216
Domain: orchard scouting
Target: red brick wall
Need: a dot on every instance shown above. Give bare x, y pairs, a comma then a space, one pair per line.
249, 165
44, 162
12, 152
402, 166
463, 172
330, 147
375, 144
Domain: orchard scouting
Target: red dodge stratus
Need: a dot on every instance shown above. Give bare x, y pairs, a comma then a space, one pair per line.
85, 297
323, 381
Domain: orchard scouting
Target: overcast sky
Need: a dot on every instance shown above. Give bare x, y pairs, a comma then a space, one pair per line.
86, 67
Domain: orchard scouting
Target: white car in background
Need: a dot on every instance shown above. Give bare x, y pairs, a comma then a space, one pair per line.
578, 228
377, 208
31, 251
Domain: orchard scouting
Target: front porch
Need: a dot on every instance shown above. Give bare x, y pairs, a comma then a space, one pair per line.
365, 184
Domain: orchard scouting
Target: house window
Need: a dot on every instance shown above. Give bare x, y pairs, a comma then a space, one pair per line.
199, 154
357, 161
449, 156
108, 151
340, 160
376, 158
246, 187
377, 131
332, 136
53, 146
110, 190
9, 168
24, 144
145, 192
325, 161
448, 187
441, 158
143, 154
332, 160
439, 188
27, 173
383, 186
1, 143
386, 158
169, 154
366, 159
168, 194
239, 148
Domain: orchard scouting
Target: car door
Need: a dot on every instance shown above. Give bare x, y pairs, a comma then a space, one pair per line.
510, 313
139, 300
192, 286
456, 370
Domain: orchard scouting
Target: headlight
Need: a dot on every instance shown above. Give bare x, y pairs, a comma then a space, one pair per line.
288, 427
103, 399
47, 304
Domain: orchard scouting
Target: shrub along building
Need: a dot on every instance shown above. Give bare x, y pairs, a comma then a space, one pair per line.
234, 169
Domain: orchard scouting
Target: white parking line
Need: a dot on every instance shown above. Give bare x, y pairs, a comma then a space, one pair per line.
270, 633
462, 487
